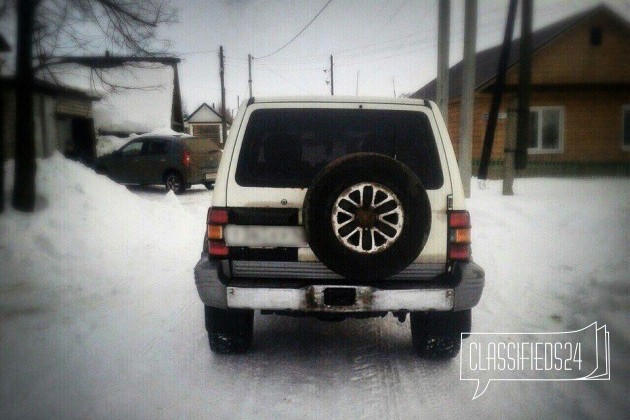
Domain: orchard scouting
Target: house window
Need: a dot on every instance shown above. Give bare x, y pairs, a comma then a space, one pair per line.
626, 128
546, 129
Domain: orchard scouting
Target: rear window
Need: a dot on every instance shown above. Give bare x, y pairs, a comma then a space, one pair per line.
286, 148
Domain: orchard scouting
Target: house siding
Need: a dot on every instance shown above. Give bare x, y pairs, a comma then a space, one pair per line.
593, 125
74, 107
571, 59
591, 83
46, 111
214, 134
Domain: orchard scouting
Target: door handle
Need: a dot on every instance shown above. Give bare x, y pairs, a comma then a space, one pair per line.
162, 160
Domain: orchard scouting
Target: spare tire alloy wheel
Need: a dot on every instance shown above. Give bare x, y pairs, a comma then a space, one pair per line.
367, 216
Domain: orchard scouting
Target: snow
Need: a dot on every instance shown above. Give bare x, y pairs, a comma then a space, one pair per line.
165, 131
100, 318
108, 144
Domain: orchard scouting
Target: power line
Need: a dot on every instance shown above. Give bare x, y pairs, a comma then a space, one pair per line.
298, 34
393, 15
285, 79
324, 57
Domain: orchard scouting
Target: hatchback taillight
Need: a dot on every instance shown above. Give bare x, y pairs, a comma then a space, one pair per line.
216, 221
459, 237
186, 158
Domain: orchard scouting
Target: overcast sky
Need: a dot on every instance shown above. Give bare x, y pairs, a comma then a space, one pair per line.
389, 44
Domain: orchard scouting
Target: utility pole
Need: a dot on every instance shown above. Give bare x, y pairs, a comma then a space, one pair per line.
23, 198
499, 84
4, 48
249, 62
221, 73
444, 23
394, 85
332, 77
525, 81
510, 146
468, 95
517, 135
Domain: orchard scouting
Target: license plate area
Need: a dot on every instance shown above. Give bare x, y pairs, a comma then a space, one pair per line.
340, 296
265, 236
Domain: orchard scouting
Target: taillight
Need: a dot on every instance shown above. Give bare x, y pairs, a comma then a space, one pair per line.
216, 221
186, 158
459, 237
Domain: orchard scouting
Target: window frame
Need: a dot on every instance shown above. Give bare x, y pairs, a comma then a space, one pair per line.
539, 150
433, 142
625, 147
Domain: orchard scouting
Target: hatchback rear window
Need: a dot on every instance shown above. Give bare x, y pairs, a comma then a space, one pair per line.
286, 148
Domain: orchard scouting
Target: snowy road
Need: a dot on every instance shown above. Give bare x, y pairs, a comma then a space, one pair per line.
99, 316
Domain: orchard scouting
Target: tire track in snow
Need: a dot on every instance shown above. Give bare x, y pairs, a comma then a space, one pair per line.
377, 373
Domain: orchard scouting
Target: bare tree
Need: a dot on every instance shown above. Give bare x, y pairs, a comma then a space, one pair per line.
50, 28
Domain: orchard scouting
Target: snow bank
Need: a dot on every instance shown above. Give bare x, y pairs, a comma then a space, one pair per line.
90, 223
94, 255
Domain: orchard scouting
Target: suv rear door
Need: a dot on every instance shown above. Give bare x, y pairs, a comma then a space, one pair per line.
284, 145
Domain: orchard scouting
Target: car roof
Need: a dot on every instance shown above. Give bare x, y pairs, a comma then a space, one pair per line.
340, 99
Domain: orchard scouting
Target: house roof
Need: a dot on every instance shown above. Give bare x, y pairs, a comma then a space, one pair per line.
48, 88
110, 61
486, 61
213, 116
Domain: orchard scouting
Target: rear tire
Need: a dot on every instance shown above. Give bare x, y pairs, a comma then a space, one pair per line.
230, 331
438, 335
209, 185
174, 182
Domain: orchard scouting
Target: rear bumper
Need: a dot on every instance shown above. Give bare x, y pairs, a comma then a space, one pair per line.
458, 290
201, 175
311, 299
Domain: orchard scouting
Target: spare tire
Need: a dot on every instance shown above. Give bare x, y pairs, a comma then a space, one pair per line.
367, 216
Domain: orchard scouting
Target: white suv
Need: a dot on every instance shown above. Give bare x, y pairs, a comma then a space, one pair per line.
339, 207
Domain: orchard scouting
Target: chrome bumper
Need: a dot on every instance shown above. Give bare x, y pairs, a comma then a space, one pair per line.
465, 292
368, 299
